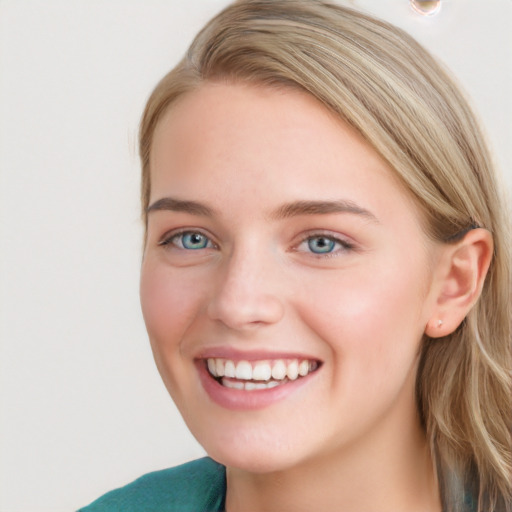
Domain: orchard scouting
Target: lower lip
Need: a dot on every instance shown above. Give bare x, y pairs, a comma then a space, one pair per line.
239, 399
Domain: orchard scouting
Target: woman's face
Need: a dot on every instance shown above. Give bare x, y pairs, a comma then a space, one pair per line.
286, 281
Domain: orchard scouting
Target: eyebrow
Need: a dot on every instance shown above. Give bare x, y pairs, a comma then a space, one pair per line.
297, 208
293, 209
178, 205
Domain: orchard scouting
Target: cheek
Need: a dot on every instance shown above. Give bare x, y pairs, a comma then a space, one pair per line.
169, 305
372, 318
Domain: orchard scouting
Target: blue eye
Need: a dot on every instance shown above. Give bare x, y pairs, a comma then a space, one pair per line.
194, 241
321, 244
189, 240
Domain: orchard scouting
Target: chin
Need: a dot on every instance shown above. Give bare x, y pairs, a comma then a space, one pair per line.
245, 452
262, 463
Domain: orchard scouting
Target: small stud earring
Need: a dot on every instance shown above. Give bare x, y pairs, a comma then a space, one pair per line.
439, 323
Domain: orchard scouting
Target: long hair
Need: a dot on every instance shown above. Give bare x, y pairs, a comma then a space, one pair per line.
378, 79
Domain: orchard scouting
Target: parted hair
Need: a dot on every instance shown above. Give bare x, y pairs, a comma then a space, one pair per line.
378, 79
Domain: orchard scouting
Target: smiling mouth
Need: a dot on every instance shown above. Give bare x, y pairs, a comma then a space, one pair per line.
259, 375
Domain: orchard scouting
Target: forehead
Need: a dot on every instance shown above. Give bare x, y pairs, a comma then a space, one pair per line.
237, 108
251, 139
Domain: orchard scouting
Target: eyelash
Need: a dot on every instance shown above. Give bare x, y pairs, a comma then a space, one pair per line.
170, 240
342, 245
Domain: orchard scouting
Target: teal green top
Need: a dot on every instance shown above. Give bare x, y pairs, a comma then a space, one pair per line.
198, 486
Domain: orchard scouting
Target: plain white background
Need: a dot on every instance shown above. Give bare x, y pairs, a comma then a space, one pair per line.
82, 408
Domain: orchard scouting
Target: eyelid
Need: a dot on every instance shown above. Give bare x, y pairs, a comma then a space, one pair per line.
346, 245
344, 242
167, 238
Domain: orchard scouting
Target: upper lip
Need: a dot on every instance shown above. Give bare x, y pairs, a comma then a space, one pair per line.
234, 354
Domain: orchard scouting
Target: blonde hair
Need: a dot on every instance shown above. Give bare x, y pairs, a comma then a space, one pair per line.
381, 81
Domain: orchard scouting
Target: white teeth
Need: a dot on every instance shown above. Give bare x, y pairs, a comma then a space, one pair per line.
279, 370
212, 367
243, 370
219, 367
229, 369
250, 385
259, 374
235, 384
303, 368
292, 371
262, 371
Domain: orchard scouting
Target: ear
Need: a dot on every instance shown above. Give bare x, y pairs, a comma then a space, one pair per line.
459, 277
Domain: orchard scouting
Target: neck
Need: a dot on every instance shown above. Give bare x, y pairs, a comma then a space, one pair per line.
383, 474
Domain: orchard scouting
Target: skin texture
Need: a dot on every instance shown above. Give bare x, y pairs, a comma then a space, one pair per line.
349, 436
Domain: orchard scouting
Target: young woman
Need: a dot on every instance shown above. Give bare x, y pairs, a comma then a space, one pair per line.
326, 274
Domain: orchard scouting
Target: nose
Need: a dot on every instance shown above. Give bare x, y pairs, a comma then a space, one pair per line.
246, 292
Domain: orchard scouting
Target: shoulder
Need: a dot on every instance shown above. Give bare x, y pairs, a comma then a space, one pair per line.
198, 486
